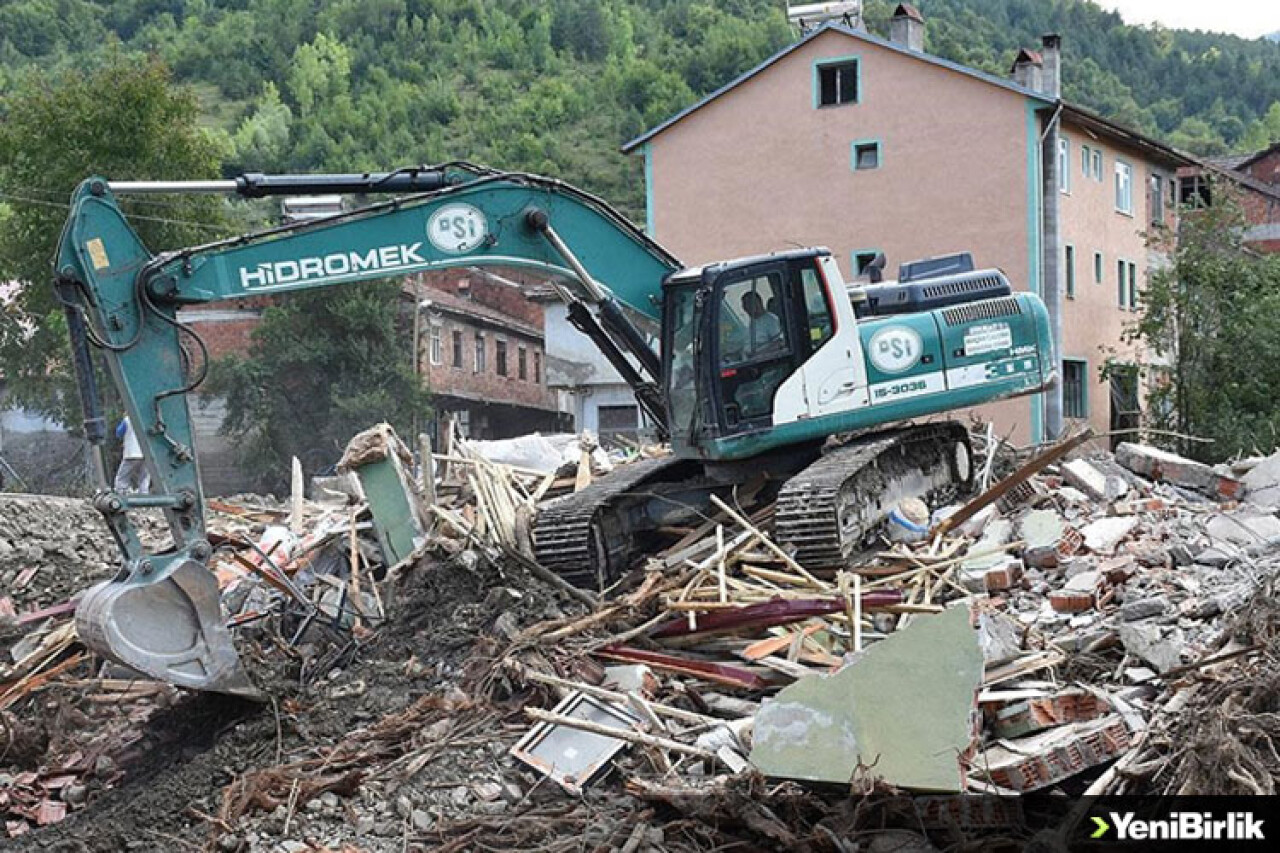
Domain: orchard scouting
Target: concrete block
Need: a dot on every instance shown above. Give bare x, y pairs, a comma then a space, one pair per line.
1144, 608
1082, 475
1262, 483
1102, 536
1156, 644
1245, 526
1172, 468
1041, 528
903, 711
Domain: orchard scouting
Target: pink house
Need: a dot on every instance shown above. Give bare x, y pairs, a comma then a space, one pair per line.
870, 145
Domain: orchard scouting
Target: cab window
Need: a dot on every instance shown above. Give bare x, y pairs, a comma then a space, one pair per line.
819, 325
751, 321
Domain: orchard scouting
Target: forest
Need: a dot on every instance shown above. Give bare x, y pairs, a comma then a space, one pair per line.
556, 86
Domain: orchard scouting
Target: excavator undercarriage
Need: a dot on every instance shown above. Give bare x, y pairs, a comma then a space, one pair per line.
826, 510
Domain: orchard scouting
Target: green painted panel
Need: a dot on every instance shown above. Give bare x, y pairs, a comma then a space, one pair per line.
394, 519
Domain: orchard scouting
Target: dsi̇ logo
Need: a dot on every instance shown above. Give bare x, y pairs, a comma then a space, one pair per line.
896, 349
457, 228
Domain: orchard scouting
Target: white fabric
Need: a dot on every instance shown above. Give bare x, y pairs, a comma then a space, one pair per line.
132, 449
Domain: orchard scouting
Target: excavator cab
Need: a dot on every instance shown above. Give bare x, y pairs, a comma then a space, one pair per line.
735, 332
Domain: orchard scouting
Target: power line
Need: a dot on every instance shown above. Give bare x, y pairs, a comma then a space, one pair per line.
66, 206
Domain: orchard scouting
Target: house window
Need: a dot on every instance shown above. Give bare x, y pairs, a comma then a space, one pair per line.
863, 259
437, 344
537, 367
1124, 187
866, 155
1155, 199
522, 363
1097, 268
481, 359
837, 83
1075, 388
1122, 284
1071, 272
616, 419
1084, 160
500, 348
1133, 286
1064, 164
1096, 156
457, 350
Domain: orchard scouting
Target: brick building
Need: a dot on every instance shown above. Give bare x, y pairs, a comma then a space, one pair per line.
481, 351
1256, 178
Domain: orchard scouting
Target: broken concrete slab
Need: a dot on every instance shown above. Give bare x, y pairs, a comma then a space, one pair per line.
998, 531
1245, 526
1102, 536
904, 711
999, 636
1041, 528
1159, 645
1073, 705
1082, 475
1262, 483
1178, 470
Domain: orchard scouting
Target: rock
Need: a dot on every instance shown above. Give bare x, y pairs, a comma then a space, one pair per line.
292, 846
364, 824
460, 796
330, 800
1041, 557
404, 806
999, 636
1041, 528
229, 843
422, 821
1158, 646
1082, 475
75, 795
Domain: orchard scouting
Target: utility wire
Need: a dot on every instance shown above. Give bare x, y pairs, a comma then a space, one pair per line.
62, 205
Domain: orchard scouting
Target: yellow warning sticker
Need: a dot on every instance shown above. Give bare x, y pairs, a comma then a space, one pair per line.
97, 253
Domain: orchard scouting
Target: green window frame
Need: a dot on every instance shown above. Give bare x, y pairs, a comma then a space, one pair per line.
865, 155
837, 81
1075, 388
1069, 260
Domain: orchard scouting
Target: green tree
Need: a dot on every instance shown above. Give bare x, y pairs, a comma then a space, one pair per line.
322, 366
124, 120
1212, 319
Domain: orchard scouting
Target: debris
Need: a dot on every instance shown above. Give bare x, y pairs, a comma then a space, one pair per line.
1170, 468
569, 745
1038, 761
902, 712
382, 463
1156, 644
1082, 475
1103, 535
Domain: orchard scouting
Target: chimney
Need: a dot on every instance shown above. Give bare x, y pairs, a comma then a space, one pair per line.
1028, 70
1051, 76
906, 27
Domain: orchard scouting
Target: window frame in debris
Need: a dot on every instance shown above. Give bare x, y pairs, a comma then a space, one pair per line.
859, 147
831, 81
1075, 389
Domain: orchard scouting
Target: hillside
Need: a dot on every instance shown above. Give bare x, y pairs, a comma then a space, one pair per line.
556, 86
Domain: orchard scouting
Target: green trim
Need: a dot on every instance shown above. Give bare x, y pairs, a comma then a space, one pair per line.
853, 153
1084, 386
1033, 242
835, 60
648, 190
853, 260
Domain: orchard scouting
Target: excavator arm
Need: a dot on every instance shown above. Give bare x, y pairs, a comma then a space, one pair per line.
160, 614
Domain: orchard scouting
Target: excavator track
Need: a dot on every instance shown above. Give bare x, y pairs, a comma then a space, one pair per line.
569, 538
826, 511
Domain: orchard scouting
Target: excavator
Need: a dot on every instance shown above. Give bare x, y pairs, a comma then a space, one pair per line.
769, 372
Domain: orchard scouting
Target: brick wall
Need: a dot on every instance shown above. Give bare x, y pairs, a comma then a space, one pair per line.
487, 384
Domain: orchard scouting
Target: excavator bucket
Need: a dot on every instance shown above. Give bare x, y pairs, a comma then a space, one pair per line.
170, 628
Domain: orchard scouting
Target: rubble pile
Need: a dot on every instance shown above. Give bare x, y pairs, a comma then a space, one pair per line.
1087, 622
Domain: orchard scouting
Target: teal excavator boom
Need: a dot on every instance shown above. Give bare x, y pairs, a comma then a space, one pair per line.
761, 360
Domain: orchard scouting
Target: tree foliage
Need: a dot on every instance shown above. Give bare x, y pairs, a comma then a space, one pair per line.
323, 365
1211, 327
122, 119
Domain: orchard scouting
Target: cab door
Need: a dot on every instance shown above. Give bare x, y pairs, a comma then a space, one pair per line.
755, 344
